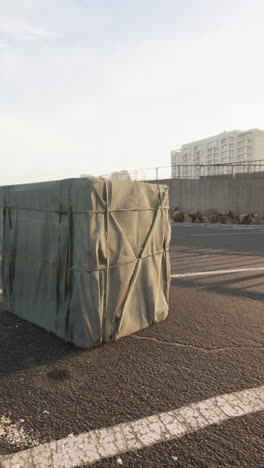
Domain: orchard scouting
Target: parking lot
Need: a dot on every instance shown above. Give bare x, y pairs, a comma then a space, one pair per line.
212, 344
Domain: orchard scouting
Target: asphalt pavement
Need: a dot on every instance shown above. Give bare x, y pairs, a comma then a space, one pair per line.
211, 344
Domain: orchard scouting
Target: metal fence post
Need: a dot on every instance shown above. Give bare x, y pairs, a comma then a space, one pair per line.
231, 169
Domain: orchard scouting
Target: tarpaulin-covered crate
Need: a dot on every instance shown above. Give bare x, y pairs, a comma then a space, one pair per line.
86, 258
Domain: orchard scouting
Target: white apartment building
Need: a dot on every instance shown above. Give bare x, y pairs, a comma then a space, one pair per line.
227, 147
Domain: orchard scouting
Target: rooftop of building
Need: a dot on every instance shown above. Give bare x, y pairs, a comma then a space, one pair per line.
222, 135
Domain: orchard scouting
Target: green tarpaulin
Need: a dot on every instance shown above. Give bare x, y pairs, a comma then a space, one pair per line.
86, 258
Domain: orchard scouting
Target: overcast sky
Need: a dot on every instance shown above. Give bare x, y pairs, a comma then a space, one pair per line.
99, 85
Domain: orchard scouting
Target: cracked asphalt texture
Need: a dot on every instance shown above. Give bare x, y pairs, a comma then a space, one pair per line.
235, 443
212, 343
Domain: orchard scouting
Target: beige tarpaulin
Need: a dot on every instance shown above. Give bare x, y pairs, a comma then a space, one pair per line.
86, 258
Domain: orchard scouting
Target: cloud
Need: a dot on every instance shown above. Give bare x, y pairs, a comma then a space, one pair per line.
113, 94
16, 27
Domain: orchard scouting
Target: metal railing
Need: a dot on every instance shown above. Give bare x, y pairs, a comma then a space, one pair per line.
253, 169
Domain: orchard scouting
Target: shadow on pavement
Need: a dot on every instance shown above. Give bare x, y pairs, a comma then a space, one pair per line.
239, 286
192, 260
24, 345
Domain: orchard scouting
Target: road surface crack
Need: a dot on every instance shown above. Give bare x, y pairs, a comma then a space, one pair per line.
198, 348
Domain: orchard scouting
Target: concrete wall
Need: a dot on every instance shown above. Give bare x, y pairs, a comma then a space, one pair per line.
243, 194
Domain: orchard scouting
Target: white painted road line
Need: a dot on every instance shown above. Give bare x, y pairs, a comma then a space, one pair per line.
227, 233
216, 272
90, 447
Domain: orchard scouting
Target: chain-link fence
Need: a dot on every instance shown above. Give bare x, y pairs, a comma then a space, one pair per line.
254, 169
